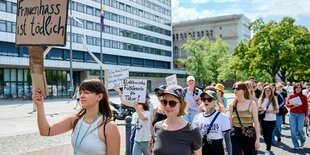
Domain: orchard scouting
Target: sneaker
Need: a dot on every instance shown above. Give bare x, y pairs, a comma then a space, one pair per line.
296, 148
300, 148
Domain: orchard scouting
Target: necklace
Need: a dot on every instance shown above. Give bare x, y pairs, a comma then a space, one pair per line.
77, 146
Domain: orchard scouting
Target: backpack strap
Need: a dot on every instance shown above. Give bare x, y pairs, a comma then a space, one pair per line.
184, 92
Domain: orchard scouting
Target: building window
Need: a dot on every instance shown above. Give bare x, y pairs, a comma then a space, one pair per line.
80, 7
2, 25
89, 25
3, 6
14, 8
89, 10
220, 28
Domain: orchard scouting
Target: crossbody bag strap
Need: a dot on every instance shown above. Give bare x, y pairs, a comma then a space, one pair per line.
209, 128
235, 108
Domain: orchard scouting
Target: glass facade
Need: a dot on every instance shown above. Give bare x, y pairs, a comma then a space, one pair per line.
16, 83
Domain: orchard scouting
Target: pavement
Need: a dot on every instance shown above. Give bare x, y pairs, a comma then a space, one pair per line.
19, 131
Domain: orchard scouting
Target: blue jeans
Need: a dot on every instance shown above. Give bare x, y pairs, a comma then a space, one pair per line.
297, 124
277, 128
228, 142
191, 113
140, 147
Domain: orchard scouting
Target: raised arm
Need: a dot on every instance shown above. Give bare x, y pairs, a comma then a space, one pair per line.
117, 90
62, 126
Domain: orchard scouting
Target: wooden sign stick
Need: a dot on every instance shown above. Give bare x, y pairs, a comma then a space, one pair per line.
36, 65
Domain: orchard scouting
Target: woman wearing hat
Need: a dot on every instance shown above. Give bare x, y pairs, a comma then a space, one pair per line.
174, 135
220, 94
212, 125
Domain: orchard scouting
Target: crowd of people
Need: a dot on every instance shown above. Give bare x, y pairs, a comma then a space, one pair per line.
187, 120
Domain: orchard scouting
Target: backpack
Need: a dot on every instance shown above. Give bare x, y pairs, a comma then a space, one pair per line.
185, 91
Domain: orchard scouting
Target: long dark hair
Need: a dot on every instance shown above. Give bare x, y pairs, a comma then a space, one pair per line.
96, 86
298, 85
243, 86
272, 98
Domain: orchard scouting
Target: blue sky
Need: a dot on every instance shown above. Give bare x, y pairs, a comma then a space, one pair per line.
253, 9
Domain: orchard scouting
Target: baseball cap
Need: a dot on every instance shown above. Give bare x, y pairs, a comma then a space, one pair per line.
210, 93
175, 90
190, 78
159, 90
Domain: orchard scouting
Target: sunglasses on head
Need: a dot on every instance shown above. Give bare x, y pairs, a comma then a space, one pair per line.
172, 104
235, 88
159, 93
204, 99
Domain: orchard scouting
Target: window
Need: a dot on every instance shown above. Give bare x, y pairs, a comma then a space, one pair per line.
90, 40
89, 10
14, 8
80, 7
149, 63
3, 6
8, 26
124, 60
89, 25
2, 25
137, 62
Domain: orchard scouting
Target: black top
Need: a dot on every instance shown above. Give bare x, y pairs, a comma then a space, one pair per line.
158, 117
179, 142
257, 93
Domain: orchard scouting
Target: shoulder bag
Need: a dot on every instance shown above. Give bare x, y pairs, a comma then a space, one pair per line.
246, 131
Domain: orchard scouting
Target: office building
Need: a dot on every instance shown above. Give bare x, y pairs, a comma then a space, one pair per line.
231, 28
137, 33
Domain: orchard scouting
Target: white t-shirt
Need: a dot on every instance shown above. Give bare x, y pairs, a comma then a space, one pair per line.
143, 131
220, 125
268, 116
190, 100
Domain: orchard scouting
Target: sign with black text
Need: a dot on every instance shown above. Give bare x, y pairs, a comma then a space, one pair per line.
41, 22
171, 80
117, 77
134, 90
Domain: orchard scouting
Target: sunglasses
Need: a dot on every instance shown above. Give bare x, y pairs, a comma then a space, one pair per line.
172, 104
236, 88
204, 99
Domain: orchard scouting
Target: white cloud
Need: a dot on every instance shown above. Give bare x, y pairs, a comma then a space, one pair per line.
253, 9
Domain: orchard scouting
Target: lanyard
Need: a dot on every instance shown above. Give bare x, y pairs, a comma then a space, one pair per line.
76, 146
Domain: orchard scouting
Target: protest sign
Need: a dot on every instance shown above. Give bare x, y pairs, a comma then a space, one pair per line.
41, 22
172, 80
117, 77
134, 90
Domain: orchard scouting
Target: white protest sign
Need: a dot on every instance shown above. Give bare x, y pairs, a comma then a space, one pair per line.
171, 80
134, 90
117, 77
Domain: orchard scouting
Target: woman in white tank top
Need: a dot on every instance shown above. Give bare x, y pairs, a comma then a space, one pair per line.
94, 132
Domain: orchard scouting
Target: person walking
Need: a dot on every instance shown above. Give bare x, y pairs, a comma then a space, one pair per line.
174, 135
76, 96
191, 94
94, 132
212, 125
268, 107
243, 115
298, 104
281, 97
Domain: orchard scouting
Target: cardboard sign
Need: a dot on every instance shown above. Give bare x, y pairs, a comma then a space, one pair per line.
134, 90
36, 65
172, 80
41, 22
117, 77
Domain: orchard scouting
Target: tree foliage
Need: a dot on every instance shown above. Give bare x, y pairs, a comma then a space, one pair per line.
276, 49
205, 59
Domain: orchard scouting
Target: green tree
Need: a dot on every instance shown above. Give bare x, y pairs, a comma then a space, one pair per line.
276, 48
204, 58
